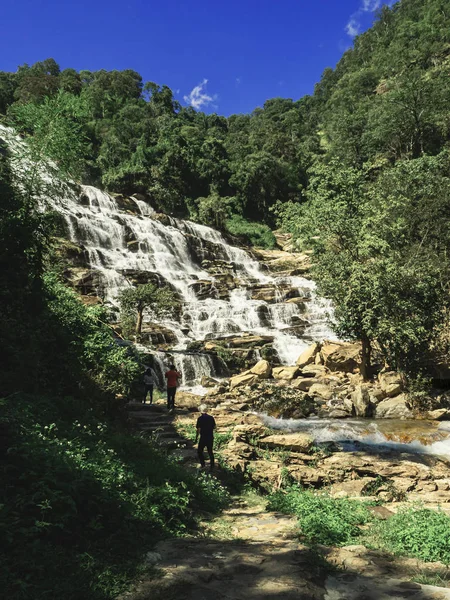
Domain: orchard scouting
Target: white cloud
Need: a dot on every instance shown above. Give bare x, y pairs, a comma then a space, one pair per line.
238, 80
353, 27
198, 98
370, 5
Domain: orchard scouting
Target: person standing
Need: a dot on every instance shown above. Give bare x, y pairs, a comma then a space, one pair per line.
149, 383
205, 429
172, 377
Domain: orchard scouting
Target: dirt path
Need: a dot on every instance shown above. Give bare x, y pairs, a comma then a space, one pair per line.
250, 554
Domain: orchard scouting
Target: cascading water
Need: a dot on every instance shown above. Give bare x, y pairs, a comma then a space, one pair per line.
119, 242
420, 437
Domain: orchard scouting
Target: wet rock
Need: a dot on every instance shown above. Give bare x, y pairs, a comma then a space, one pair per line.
440, 414
204, 289
209, 382
157, 334
250, 341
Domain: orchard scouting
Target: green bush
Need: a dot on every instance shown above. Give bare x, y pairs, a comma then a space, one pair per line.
416, 532
322, 519
255, 234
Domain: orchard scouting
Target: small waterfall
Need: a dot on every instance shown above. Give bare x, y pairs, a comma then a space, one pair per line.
122, 244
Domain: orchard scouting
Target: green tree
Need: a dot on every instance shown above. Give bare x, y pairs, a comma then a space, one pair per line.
135, 300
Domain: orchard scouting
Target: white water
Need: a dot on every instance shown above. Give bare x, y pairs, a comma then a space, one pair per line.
118, 242
384, 436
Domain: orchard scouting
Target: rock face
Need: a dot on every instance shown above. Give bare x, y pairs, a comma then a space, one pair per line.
394, 408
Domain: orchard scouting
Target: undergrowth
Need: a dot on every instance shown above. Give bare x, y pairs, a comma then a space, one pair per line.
414, 531
81, 501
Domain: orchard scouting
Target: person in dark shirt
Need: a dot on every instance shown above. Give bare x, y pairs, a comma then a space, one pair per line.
205, 429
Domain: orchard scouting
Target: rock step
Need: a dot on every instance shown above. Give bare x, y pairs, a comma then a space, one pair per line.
157, 426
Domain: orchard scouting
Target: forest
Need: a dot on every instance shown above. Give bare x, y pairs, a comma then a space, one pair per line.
358, 172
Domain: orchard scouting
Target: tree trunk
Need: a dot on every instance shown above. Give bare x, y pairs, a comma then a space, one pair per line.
140, 314
365, 360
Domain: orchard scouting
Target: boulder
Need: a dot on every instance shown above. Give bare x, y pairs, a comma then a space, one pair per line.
361, 401
243, 379
341, 356
296, 442
303, 384
313, 371
308, 356
394, 408
352, 488
391, 383
262, 369
286, 373
321, 390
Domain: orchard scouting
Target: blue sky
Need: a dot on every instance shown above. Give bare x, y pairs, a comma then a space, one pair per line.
224, 56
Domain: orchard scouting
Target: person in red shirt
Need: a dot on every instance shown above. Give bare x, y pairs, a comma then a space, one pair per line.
172, 377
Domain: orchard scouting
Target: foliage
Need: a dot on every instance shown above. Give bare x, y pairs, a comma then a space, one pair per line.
255, 234
135, 300
322, 519
377, 256
81, 502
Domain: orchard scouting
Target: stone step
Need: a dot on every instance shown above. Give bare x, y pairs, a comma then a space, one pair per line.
173, 442
157, 427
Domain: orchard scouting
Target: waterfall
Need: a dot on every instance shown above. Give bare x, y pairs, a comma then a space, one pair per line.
121, 243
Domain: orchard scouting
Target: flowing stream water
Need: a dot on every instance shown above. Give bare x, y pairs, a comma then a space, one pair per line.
417, 437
